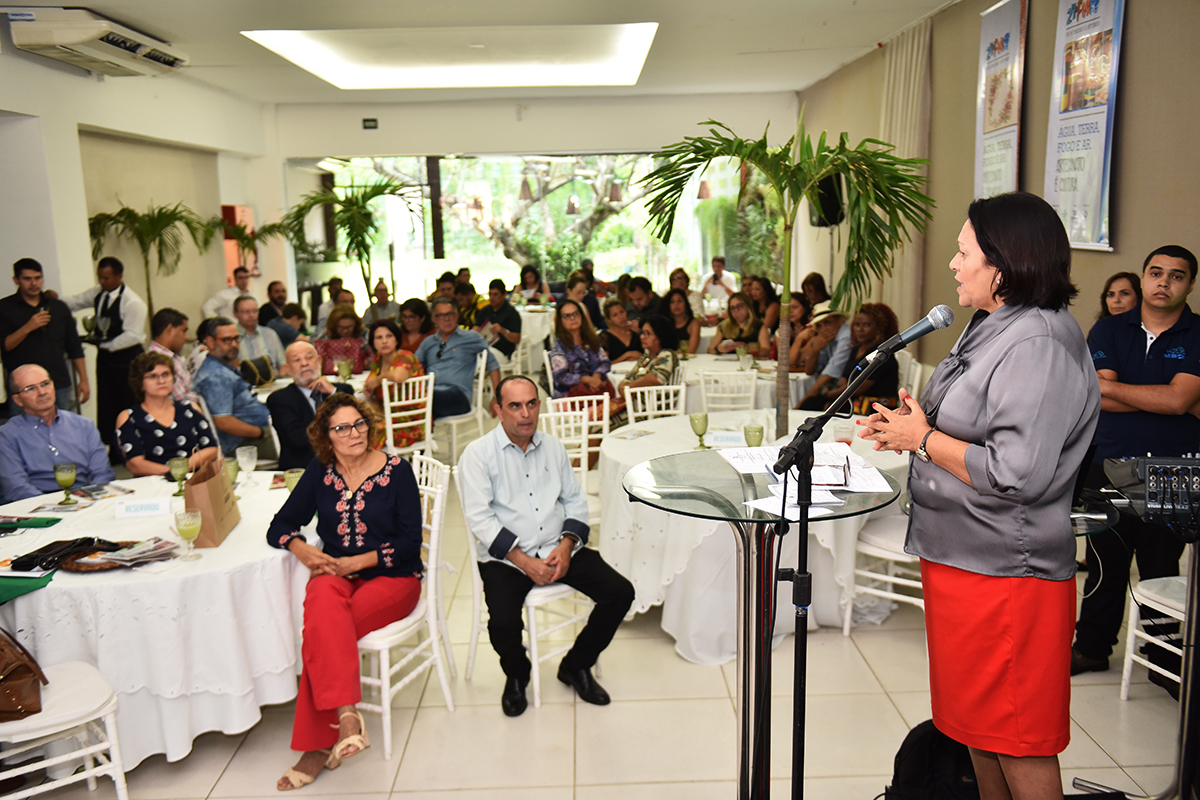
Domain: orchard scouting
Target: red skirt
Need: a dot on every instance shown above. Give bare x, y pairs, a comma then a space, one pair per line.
1000, 659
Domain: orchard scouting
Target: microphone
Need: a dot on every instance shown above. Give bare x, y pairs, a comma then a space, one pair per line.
939, 317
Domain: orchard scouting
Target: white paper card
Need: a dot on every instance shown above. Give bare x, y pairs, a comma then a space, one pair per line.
147, 507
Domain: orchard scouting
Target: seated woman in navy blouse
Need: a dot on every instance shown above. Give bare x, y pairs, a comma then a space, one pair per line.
366, 575
160, 428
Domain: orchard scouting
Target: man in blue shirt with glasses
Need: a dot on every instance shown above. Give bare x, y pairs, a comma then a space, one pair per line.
451, 354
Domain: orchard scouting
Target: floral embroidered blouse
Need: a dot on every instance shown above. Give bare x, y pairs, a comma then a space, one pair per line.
384, 515
570, 362
403, 436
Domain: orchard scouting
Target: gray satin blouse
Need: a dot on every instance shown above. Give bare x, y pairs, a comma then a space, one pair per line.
1020, 389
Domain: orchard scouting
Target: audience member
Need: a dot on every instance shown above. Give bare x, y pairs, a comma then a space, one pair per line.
343, 341
1149, 389
293, 407
326, 308
622, 340
160, 427
36, 328
451, 353
622, 289
276, 300
799, 315
346, 298
813, 287
416, 324
577, 290
642, 300
681, 280
498, 321
235, 411
221, 303
829, 349
766, 302
393, 364
469, 304
32, 443
170, 330
720, 283
289, 325
872, 326
532, 287
657, 364
578, 364
676, 308
595, 286
126, 314
1122, 292
743, 328
445, 286
463, 275
258, 340
383, 307
527, 511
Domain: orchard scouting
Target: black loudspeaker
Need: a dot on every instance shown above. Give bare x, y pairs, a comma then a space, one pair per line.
829, 209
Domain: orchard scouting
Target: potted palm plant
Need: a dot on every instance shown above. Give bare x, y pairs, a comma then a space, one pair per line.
248, 239
157, 232
884, 203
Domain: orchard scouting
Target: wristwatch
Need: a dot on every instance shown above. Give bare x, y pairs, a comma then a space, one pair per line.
921, 452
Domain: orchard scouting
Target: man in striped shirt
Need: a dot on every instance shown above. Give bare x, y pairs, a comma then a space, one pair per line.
169, 329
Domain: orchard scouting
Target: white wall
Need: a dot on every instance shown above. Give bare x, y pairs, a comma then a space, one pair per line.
25, 230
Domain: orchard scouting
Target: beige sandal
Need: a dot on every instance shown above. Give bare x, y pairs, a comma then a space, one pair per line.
297, 779
358, 740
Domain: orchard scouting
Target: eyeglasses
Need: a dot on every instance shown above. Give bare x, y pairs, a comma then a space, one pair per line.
229, 339
37, 387
736, 306
160, 376
571, 315
445, 315
344, 430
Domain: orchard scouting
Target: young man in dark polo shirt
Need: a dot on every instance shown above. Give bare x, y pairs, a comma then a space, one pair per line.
498, 321
38, 329
1148, 364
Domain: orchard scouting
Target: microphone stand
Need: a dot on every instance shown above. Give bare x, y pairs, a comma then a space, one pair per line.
799, 453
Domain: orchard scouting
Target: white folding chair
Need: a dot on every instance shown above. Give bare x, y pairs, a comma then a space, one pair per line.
885, 564
475, 415
679, 375
539, 597
78, 705
377, 645
650, 402
596, 406
570, 428
408, 405
728, 391
1168, 597
518, 362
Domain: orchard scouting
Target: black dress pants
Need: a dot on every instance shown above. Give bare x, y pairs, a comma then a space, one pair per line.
1109, 555
113, 393
505, 587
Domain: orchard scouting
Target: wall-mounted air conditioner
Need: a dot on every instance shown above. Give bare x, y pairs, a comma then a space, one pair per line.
80, 37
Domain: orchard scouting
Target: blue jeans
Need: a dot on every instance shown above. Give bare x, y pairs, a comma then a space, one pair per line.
449, 401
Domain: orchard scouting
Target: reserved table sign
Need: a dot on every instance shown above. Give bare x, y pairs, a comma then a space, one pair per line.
148, 507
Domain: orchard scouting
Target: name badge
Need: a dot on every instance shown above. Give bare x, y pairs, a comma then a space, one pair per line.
149, 507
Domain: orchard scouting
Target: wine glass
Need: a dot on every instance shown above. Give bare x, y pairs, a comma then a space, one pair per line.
699, 427
231, 470
753, 435
179, 470
89, 324
741, 357
247, 460
64, 476
344, 367
103, 324
187, 524
683, 348
291, 477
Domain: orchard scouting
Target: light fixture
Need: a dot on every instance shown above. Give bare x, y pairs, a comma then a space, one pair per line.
467, 57
704, 193
573, 205
526, 194
614, 194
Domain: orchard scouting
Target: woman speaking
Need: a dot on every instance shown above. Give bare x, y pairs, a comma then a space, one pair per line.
1001, 431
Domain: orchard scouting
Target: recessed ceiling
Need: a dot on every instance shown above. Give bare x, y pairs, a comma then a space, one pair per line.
701, 46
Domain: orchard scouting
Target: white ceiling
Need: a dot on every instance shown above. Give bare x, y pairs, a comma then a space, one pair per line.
702, 46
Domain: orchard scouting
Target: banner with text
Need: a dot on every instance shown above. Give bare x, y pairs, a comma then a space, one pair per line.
1082, 102
998, 100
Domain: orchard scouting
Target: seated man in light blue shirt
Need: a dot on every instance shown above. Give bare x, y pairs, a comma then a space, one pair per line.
450, 354
528, 515
236, 413
258, 340
833, 331
42, 436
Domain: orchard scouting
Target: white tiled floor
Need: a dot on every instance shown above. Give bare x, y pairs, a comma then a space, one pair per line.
669, 733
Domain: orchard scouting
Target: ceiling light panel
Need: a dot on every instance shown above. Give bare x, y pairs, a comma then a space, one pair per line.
443, 58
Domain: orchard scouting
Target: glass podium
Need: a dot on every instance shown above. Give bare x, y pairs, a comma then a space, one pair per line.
703, 485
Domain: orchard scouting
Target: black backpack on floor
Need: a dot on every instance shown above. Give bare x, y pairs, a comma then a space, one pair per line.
932, 766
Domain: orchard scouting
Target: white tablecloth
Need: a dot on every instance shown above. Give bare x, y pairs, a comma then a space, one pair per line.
764, 396
687, 565
198, 647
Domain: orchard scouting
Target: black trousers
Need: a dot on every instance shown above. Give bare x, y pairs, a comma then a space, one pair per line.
505, 587
113, 393
1109, 555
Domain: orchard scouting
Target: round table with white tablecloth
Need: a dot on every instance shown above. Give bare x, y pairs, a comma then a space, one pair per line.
189, 647
764, 397
687, 565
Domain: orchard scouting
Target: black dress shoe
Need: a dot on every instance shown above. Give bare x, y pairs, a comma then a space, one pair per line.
585, 685
1081, 663
1171, 686
513, 700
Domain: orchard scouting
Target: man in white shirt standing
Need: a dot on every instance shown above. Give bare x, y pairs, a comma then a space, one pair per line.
528, 514
258, 340
335, 288
221, 303
721, 283
120, 342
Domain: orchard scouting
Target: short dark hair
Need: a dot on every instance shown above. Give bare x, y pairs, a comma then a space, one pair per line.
441, 301
113, 263
719, 258
241, 270
530, 268
273, 284
577, 277
241, 298
464, 288
144, 363
447, 277
22, 264
383, 323
498, 397
1173, 251
642, 283
318, 429
337, 280
1023, 238
209, 326
415, 305
292, 310
496, 283
586, 263
166, 318
664, 329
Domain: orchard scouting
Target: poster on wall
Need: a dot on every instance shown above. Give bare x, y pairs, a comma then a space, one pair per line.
1082, 100
998, 100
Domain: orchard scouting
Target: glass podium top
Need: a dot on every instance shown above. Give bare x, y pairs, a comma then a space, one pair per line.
701, 483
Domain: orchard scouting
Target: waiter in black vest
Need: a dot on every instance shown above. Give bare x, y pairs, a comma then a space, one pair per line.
122, 342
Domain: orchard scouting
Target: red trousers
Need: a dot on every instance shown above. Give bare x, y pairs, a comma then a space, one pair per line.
337, 613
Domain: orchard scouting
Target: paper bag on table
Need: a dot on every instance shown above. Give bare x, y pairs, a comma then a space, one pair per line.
209, 492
